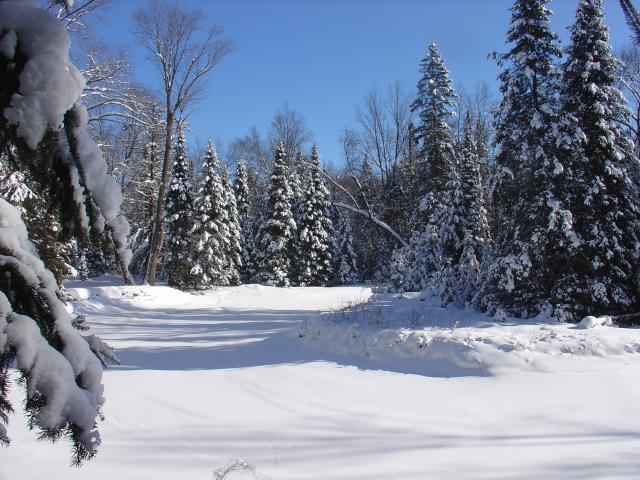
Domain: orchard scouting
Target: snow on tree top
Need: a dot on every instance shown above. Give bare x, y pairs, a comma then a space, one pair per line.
43, 99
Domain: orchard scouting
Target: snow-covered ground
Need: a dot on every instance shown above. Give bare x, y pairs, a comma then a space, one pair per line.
396, 389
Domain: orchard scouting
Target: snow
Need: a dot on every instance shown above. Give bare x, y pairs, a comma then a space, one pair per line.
49, 83
104, 188
8, 44
208, 378
71, 381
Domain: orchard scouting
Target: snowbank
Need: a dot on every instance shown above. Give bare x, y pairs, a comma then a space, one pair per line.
391, 325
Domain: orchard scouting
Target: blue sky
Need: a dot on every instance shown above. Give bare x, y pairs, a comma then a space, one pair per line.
322, 56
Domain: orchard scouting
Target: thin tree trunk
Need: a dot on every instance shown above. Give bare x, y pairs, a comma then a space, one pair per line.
158, 221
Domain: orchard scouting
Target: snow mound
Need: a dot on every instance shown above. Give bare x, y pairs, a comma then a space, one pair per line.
591, 322
462, 341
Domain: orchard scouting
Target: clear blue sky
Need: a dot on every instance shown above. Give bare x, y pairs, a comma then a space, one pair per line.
322, 56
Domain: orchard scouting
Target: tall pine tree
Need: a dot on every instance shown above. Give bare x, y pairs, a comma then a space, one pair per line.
247, 243
530, 245
210, 234
435, 106
179, 221
234, 248
346, 269
315, 229
276, 233
437, 236
600, 277
464, 273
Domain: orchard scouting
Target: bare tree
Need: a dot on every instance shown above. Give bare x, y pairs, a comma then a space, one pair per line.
289, 127
73, 15
633, 18
630, 85
253, 150
384, 128
183, 53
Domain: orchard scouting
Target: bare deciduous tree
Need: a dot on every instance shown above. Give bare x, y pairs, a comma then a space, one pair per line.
289, 127
183, 53
73, 15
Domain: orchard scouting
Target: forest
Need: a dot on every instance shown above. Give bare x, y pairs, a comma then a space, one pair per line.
510, 207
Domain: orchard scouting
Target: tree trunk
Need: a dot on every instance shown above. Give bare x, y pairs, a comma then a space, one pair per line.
157, 236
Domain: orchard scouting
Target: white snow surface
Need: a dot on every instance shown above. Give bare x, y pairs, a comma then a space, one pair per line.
396, 389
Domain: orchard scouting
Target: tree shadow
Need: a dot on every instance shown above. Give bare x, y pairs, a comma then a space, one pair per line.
220, 338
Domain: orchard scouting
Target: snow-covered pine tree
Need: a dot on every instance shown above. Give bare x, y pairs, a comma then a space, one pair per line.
247, 242
316, 234
43, 226
346, 269
276, 233
465, 271
179, 220
436, 240
531, 245
210, 235
61, 370
601, 276
435, 106
298, 181
233, 252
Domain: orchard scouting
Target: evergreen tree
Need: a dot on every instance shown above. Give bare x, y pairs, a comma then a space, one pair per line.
530, 244
210, 233
463, 276
46, 136
598, 155
276, 233
346, 270
315, 229
434, 245
43, 226
233, 252
298, 181
435, 105
241, 190
179, 218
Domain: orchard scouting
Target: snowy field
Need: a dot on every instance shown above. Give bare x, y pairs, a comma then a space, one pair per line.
397, 389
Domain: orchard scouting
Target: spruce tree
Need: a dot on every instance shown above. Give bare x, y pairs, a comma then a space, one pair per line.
276, 233
42, 221
435, 106
243, 202
600, 277
435, 242
315, 229
346, 269
530, 245
179, 220
474, 237
233, 252
210, 232
44, 131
